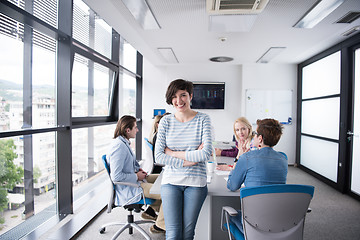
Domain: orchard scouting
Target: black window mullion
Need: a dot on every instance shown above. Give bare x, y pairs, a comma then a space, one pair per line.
27, 117
114, 80
139, 86
63, 138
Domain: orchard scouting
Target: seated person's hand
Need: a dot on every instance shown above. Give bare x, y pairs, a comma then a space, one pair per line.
141, 175
218, 151
188, 163
224, 167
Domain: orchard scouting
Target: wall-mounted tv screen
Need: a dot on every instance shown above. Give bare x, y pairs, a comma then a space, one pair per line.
208, 95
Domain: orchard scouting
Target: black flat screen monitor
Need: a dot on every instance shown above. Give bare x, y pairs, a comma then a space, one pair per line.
208, 95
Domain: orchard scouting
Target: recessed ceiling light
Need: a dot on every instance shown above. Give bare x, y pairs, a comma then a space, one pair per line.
169, 55
318, 12
270, 54
142, 13
221, 59
351, 31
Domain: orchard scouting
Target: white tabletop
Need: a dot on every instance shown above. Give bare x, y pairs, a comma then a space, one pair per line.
217, 186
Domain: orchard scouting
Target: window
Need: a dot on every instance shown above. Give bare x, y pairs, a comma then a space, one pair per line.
90, 29
318, 119
26, 153
33, 91
91, 87
89, 144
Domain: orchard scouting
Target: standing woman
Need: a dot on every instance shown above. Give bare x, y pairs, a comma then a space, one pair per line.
183, 186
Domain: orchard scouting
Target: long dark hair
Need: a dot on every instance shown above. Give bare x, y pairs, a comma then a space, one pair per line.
124, 123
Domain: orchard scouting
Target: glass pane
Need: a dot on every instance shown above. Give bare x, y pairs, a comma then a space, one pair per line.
13, 96
321, 117
81, 22
44, 172
355, 176
12, 200
129, 94
320, 156
90, 29
20, 151
103, 78
19, 3
91, 87
324, 72
128, 56
11, 80
89, 144
44, 81
103, 37
44, 10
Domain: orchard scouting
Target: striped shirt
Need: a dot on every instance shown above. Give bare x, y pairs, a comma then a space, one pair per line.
184, 136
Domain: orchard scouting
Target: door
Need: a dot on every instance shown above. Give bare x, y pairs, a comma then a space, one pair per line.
354, 136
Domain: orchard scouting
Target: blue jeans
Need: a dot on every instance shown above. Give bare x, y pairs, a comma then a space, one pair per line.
181, 206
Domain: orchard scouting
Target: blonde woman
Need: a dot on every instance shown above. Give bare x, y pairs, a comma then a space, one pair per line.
243, 135
152, 139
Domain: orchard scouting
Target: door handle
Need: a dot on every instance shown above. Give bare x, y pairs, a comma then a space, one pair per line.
350, 135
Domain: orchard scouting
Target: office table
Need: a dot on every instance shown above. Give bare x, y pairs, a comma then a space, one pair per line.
208, 225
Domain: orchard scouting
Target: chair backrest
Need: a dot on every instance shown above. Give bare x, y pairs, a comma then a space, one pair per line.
148, 163
275, 211
149, 144
112, 196
107, 167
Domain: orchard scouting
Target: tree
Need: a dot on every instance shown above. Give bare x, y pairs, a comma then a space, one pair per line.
36, 174
10, 174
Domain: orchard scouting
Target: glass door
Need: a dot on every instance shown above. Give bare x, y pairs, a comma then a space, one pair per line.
355, 135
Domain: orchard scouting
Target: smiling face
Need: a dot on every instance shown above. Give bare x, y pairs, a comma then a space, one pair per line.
181, 100
242, 132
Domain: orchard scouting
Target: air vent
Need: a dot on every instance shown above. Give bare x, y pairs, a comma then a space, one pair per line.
221, 59
349, 17
235, 6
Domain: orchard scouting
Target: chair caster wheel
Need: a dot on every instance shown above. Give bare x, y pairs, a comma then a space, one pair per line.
102, 230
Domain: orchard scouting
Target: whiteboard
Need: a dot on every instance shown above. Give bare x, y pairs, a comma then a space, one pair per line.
262, 104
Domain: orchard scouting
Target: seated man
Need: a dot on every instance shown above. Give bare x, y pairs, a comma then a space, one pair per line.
263, 167
125, 168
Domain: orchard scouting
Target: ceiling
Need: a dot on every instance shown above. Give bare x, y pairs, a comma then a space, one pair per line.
185, 23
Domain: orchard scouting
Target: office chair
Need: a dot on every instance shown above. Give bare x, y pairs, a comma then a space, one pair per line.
270, 212
136, 207
149, 154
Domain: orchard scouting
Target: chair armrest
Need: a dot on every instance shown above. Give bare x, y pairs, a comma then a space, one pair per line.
231, 211
133, 185
225, 213
127, 184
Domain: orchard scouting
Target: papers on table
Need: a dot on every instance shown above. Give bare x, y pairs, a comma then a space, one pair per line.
220, 172
223, 144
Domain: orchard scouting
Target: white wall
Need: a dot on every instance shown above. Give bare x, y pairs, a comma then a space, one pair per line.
237, 78
275, 77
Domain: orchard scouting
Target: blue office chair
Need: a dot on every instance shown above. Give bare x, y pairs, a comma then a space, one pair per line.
269, 212
149, 154
136, 207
